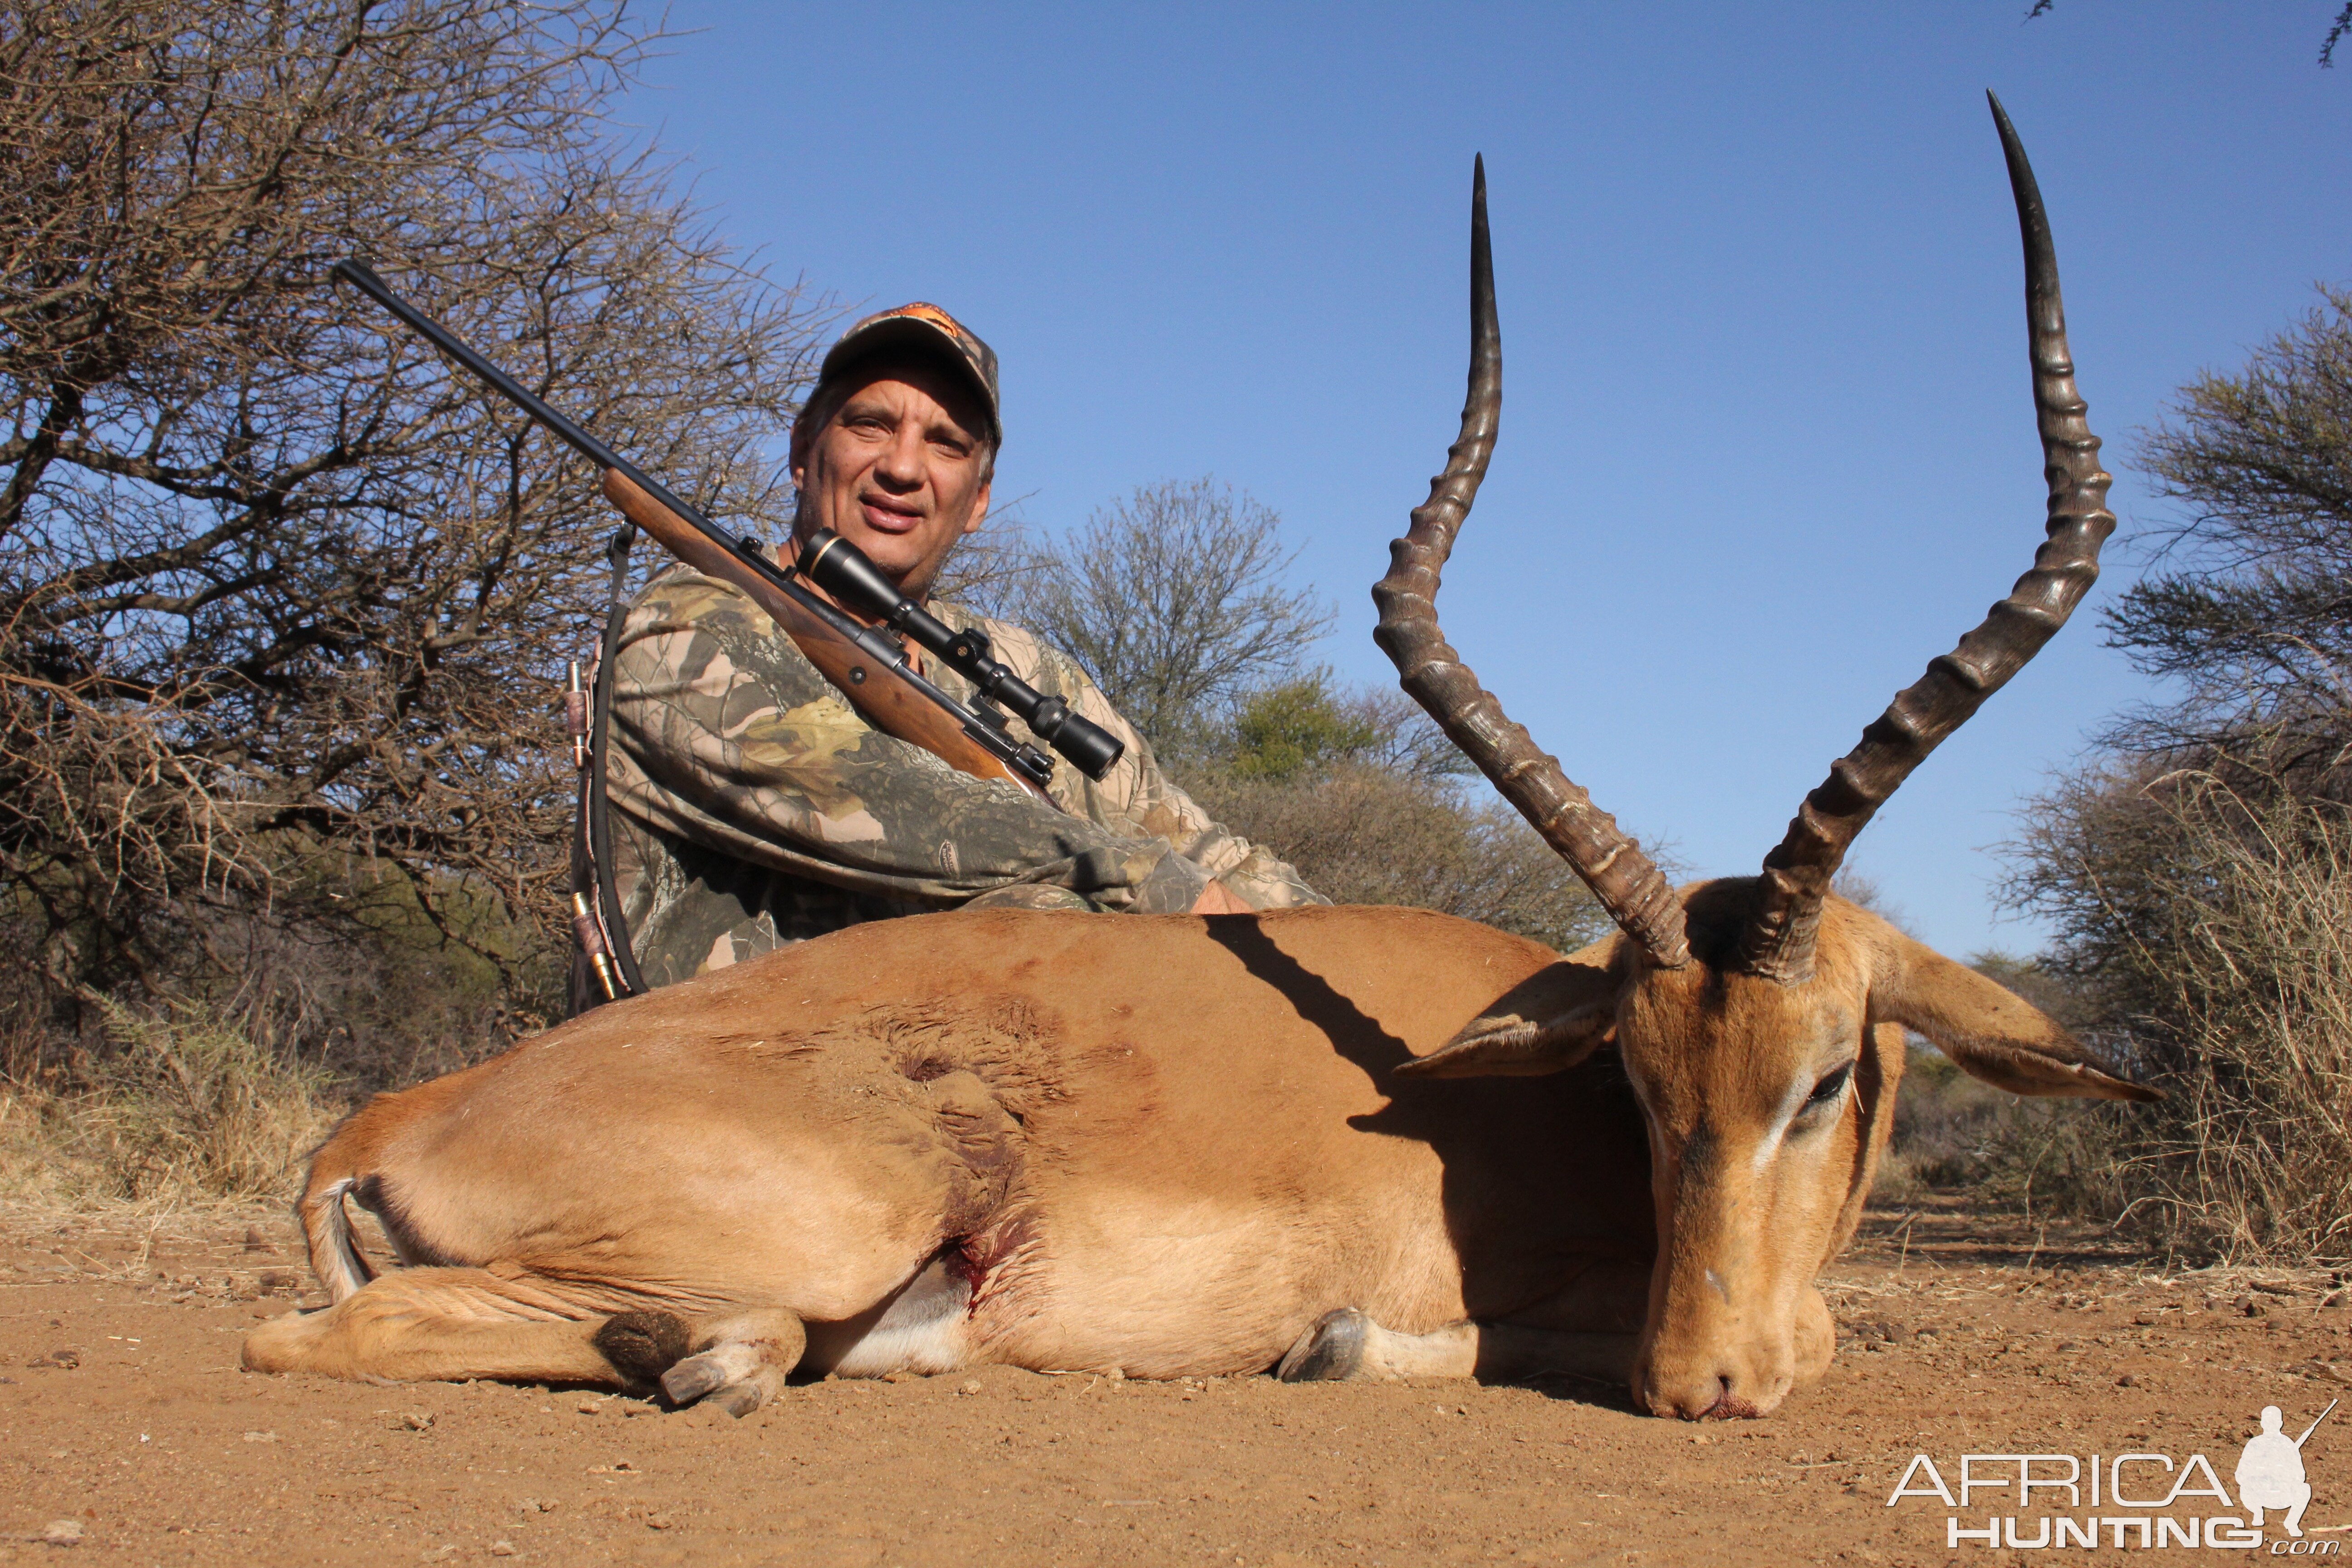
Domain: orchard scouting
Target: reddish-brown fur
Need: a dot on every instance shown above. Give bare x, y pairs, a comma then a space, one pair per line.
1165, 1145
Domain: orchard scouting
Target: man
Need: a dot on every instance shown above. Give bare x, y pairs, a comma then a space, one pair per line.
751, 807
2270, 1472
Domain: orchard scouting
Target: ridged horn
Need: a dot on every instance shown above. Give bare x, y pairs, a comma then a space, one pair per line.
1626, 881
1777, 941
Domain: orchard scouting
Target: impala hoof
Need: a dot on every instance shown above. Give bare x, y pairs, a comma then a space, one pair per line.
1332, 1349
740, 1399
709, 1379
692, 1378
732, 1376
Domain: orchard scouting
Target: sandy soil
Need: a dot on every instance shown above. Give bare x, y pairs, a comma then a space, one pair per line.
124, 1419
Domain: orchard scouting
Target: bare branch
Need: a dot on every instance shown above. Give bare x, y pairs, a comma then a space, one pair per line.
280, 599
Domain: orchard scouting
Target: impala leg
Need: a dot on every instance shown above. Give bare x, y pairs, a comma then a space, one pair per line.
739, 1362
1508, 1352
417, 1325
1587, 1329
1346, 1345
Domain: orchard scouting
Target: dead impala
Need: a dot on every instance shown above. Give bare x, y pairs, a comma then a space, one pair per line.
1185, 1145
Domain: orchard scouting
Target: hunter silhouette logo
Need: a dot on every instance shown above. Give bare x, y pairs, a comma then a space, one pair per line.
2270, 1472
2140, 1501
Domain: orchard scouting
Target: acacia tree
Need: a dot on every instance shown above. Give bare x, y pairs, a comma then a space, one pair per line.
1366, 796
2251, 608
1173, 598
2198, 876
284, 605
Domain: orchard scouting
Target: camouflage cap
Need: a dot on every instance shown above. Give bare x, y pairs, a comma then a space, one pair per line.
927, 330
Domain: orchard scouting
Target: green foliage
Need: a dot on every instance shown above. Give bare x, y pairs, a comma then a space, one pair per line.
1297, 726
1365, 796
1173, 601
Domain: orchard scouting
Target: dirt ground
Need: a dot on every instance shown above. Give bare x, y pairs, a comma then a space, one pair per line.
125, 1422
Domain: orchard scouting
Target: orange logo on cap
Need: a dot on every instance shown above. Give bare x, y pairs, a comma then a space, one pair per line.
920, 312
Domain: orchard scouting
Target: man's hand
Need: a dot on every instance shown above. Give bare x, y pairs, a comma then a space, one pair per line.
1216, 898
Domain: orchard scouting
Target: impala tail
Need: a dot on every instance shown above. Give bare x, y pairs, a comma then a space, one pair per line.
335, 1256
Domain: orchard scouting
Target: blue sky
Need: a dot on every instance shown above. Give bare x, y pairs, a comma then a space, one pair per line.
1768, 440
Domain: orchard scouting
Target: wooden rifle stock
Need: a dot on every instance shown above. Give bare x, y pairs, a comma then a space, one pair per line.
873, 687
879, 682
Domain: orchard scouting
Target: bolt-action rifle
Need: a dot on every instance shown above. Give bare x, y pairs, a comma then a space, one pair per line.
868, 665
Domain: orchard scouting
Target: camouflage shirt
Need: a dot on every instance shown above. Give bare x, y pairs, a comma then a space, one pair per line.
752, 807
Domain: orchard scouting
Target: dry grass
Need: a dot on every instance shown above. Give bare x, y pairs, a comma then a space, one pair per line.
1949, 1132
2214, 924
194, 1105
2254, 1148
1364, 834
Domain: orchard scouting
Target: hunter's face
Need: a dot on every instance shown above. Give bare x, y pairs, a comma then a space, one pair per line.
900, 469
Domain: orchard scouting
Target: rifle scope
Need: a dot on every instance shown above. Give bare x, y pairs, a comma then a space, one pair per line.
1089, 746
843, 570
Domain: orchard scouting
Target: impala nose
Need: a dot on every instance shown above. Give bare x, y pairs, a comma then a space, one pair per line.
1715, 1396
1728, 1404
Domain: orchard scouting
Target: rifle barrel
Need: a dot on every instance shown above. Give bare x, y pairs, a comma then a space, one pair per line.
2314, 1424
1090, 748
364, 277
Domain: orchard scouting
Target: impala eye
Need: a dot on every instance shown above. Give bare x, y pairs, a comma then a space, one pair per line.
1828, 1090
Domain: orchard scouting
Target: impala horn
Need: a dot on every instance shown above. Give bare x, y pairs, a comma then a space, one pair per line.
1626, 881
1777, 941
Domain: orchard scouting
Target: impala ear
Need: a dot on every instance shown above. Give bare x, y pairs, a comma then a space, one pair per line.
1989, 1031
1548, 1023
